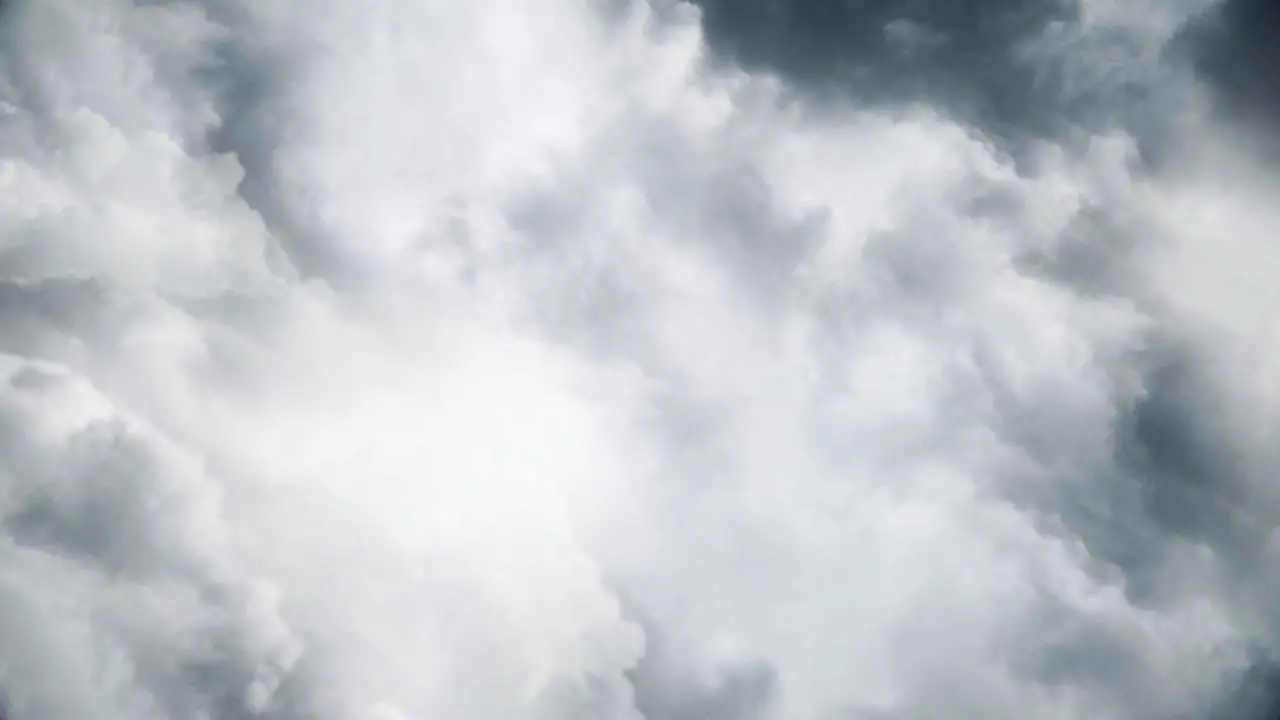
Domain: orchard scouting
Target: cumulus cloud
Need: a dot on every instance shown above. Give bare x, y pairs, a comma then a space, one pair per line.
632, 360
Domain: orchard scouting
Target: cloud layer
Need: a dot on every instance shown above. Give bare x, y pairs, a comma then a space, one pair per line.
634, 360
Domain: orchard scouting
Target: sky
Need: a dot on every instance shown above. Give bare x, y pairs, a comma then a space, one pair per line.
639, 360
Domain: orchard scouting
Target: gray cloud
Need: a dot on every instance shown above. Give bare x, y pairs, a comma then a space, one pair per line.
1232, 45
976, 57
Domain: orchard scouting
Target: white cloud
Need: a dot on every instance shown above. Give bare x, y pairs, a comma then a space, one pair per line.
497, 359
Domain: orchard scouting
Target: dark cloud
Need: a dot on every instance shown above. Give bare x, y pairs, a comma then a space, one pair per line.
977, 59
1237, 48
1009, 67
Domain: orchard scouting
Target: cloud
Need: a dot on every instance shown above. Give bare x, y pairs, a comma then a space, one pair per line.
484, 360
121, 597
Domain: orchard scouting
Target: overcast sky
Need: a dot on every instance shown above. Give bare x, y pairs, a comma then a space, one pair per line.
639, 360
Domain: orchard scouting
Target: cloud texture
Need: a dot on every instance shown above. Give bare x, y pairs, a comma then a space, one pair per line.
636, 359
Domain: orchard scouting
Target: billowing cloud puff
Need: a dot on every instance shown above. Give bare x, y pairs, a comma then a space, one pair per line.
633, 360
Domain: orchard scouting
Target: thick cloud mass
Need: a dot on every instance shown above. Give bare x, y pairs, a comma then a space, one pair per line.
637, 359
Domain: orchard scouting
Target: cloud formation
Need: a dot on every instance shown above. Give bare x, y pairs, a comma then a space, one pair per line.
633, 360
